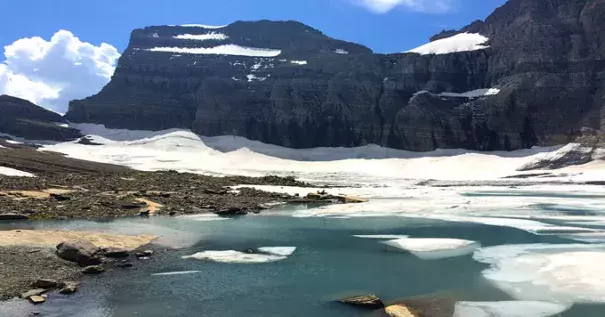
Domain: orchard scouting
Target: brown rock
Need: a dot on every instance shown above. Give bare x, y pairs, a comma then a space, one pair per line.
68, 288
45, 283
37, 299
367, 301
33, 292
399, 311
82, 252
93, 269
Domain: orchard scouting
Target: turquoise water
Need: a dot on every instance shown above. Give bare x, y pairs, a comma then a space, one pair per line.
329, 263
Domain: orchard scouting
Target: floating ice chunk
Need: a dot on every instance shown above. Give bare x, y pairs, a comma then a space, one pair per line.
13, 142
204, 217
204, 26
299, 62
229, 49
231, 256
283, 251
202, 37
431, 249
175, 273
462, 42
508, 309
563, 273
7, 171
473, 94
341, 51
381, 236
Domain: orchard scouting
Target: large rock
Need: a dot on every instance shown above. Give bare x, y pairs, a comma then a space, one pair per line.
45, 283
545, 56
367, 301
68, 288
93, 269
82, 252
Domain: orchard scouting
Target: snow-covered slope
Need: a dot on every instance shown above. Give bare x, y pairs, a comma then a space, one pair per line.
462, 42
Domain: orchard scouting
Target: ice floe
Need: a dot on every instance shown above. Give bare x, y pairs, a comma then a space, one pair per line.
175, 273
462, 42
7, 171
381, 236
282, 251
271, 254
202, 37
299, 62
433, 248
509, 309
550, 272
229, 49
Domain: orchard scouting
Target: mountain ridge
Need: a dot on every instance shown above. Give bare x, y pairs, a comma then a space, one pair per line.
300, 88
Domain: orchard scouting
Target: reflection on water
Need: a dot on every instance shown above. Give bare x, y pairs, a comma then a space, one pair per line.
329, 263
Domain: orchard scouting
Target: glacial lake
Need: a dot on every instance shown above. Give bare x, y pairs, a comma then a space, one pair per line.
329, 263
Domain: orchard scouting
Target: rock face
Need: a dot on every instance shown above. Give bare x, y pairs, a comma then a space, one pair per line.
22, 118
547, 57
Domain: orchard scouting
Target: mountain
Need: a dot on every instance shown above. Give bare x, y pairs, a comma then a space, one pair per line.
24, 119
532, 73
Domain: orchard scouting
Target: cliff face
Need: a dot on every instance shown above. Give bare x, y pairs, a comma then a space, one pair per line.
24, 119
305, 89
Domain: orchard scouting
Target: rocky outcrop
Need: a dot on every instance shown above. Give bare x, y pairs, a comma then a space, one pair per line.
308, 90
366, 301
24, 119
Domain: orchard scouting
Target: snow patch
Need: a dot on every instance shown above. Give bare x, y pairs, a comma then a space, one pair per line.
564, 272
252, 78
229, 49
430, 249
204, 26
508, 309
341, 51
473, 94
463, 42
202, 37
299, 62
7, 171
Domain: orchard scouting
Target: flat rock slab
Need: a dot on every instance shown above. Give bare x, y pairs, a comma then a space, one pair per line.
51, 238
33, 292
37, 299
400, 311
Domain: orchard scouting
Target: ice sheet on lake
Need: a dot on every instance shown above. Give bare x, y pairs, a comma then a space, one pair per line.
433, 248
563, 273
462, 42
509, 309
231, 256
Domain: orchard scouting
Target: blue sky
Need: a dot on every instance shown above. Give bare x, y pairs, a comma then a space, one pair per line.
61, 50
111, 21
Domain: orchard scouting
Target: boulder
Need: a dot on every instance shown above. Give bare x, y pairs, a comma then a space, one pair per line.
93, 269
10, 216
68, 288
81, 251
37, 299
367, 301
33, 292
399, 310
45, 283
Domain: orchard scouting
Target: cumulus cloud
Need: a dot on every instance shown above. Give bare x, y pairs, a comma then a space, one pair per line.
51, 73
427, 6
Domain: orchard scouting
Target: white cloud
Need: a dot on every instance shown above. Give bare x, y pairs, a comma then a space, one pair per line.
427, 6
51, 73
